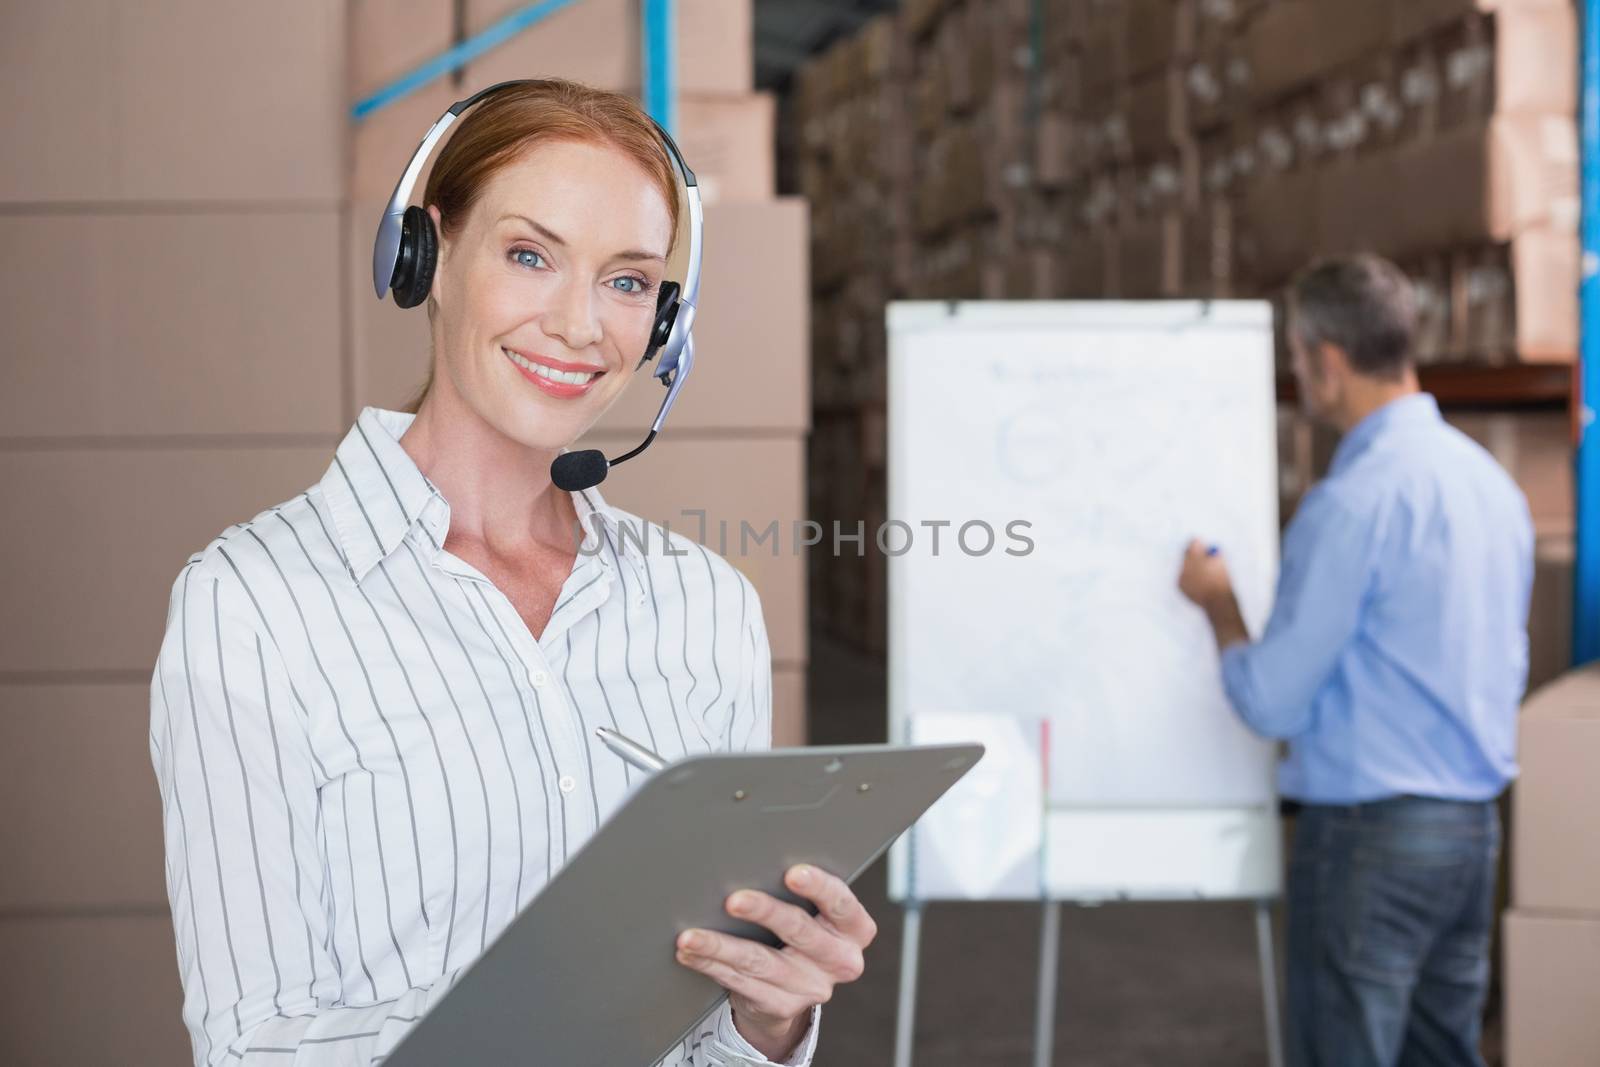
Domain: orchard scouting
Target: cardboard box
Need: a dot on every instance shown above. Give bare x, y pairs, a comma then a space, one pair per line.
185, 100
597, 42
1216, 84
123, 965
1298, 42
1519, 301
1277, 228
1550, 612
1552, 969
1149, 258
790, 716
715, 43
920, 16
1415, 17
1087, 263
728, 141
214, 322
1056, 142
1432, 284
1522, 61
1205, 267
389, 38
752, 333
98, 844
92, 558
383, 142
1104, 55
1555, 839
1153, 112
1159, 32
1472, 185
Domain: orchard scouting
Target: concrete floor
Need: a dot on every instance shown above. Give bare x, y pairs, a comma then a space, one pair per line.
1174, 985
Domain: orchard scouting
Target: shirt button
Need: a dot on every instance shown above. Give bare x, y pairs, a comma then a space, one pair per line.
568, 783
539, 677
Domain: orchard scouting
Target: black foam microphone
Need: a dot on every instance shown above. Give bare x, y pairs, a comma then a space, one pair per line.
574, 472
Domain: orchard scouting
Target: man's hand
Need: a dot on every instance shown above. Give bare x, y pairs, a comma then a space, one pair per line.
773, 990
1204, 579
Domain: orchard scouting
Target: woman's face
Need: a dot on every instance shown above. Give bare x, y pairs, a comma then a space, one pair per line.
547, 293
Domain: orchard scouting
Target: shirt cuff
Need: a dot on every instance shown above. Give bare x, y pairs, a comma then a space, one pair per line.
737, 1052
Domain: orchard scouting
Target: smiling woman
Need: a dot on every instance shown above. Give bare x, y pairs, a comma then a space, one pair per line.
373, 714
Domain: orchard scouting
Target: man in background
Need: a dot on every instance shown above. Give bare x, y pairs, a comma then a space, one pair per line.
1393, 665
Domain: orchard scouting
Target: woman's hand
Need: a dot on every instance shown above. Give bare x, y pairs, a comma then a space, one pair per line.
773, 990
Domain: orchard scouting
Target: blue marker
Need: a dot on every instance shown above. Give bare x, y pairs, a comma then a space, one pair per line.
1213, 550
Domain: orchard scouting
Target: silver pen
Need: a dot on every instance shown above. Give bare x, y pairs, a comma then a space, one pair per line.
635, 753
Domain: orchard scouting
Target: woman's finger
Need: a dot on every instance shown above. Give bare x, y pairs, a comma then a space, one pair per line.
797, 928
835, 902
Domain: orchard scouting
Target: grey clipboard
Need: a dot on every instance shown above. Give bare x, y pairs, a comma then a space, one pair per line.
586, 973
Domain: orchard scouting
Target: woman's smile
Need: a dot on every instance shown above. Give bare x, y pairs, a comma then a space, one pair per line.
555, 377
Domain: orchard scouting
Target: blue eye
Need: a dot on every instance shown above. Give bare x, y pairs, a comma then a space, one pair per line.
629, 285
527, 257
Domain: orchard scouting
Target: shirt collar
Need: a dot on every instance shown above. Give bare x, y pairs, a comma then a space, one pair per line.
377, 495
1413, 409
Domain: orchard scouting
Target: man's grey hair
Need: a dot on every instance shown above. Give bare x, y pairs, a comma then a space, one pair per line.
1363, 304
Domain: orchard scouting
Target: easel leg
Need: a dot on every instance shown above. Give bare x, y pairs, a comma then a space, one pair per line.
906, 1017
1269, 983
1044, 1030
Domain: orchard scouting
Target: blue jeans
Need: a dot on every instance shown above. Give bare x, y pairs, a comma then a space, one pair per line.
1390, 910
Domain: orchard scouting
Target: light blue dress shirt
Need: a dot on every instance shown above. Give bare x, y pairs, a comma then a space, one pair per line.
1397, 651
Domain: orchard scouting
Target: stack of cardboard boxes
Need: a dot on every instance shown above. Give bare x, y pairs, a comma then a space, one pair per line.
1140, 149
734, 447
1552, 932
172, 303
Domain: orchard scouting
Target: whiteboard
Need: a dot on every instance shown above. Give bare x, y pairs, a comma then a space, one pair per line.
1093, 440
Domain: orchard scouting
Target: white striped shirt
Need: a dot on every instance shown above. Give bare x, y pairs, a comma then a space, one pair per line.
368, 764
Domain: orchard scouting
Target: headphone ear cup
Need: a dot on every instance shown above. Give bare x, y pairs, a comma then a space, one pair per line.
666, 315
419, 251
